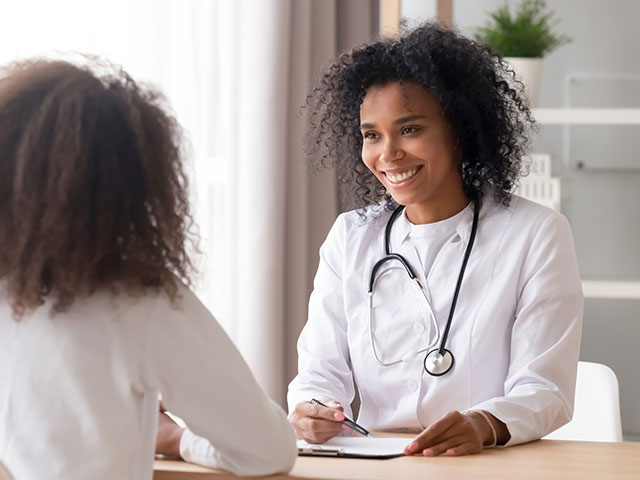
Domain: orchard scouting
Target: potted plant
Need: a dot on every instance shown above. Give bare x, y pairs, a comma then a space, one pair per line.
523, 39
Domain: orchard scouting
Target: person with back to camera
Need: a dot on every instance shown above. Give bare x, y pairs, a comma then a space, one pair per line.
454, 306
96, 315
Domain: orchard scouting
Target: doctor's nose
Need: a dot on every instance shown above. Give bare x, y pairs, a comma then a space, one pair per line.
391, 151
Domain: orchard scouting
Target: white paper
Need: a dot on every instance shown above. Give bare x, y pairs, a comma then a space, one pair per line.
362, 446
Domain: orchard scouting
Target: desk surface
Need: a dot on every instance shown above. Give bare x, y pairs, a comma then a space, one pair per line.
544, 459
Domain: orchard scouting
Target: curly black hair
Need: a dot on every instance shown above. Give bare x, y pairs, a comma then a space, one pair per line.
93, 187
485, 107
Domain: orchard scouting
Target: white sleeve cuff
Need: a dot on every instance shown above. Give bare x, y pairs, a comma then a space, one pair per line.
198, 450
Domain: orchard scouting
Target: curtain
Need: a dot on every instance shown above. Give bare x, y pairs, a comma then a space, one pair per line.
281, 212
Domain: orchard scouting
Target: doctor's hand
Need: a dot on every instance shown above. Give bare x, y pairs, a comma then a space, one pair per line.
458, 434
317, 424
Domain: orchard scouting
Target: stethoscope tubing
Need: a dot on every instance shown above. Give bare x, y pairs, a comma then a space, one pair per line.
442, 351
467, 254
413, 353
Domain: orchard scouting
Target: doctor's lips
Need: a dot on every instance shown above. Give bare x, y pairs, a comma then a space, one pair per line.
397, 176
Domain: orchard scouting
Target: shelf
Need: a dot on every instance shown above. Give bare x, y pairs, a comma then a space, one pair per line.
611, 290
587, 116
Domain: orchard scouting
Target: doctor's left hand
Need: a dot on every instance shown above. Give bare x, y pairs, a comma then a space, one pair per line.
458, 434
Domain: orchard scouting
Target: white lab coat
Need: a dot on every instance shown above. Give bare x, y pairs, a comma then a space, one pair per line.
515, 335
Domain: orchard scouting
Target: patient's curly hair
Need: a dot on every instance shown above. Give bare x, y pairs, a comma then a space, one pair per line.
489, 117
93, 194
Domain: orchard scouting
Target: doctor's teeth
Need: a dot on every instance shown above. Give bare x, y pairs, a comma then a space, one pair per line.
401, 177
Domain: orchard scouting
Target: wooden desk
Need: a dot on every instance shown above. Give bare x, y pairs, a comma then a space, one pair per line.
543, 459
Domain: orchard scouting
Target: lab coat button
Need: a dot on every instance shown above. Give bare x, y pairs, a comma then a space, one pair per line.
413, 386
418, 328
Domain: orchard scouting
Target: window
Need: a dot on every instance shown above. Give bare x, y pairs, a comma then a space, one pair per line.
180, 46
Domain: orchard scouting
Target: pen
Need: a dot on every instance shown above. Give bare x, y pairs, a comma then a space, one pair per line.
348, 422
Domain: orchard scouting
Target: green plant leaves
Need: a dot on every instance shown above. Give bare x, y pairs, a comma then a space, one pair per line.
527, 34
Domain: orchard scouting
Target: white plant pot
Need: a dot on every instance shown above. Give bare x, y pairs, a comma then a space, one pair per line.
529, 72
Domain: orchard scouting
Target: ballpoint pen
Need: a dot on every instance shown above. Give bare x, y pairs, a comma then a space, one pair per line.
347, 421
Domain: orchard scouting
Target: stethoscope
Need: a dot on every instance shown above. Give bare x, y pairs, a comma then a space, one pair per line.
438, 361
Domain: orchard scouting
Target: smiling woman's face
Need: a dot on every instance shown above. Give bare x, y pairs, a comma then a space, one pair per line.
407, 144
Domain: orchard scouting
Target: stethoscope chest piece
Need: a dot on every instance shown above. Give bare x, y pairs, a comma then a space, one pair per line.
437, 364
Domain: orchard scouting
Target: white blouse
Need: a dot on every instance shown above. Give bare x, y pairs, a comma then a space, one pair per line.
515, 334
79, 391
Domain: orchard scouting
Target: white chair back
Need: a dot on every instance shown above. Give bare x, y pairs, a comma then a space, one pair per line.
596, 414
4, 473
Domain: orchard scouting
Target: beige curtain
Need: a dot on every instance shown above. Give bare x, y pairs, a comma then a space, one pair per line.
282, 214
320, 30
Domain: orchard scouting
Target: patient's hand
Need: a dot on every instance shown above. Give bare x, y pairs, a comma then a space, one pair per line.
169, 435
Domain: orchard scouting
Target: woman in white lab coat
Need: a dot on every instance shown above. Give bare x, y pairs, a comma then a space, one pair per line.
429, 122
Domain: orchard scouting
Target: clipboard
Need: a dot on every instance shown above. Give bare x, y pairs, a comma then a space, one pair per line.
355, 447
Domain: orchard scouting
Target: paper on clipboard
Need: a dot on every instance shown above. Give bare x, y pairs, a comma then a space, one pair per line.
355, 447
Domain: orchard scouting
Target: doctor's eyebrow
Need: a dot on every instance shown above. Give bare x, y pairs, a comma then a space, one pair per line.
397, 121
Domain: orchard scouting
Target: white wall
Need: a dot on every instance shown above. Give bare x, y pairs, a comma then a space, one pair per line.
602, 200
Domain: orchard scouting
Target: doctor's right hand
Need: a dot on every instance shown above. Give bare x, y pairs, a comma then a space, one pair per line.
317, 424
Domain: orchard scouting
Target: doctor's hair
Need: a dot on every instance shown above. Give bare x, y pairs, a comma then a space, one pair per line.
92, 186
486, 110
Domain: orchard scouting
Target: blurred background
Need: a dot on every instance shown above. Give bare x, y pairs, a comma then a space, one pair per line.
236, 74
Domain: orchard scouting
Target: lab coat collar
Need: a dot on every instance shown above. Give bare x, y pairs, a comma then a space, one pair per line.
402, 227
